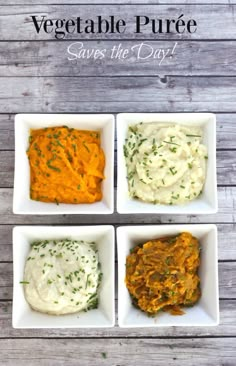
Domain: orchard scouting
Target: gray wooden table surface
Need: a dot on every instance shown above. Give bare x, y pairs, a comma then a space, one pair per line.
35, 76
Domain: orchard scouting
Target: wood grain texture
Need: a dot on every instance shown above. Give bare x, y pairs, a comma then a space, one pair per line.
227, 327
53, 59
113, 2
118, 352
215, 21
226, 242
116, 94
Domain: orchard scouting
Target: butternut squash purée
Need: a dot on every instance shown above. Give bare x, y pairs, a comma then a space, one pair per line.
162, 274
66, 165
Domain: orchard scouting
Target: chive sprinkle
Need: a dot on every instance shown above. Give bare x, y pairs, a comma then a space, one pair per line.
172, 143
193, 136
52, 166
86, 147
173, 172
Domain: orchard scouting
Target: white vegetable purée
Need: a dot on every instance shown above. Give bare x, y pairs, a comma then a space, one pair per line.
62, 276
166, 163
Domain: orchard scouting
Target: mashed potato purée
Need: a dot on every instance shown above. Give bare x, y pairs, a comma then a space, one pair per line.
166, 163
62, 276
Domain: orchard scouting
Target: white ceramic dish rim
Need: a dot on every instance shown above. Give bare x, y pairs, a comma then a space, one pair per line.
206, 205
158, 231
89, 232
21, 201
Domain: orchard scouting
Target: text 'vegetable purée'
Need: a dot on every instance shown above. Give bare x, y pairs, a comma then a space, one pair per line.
111, 25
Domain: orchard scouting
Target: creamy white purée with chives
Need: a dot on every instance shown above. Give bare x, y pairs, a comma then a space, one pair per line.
166, 162
62, 276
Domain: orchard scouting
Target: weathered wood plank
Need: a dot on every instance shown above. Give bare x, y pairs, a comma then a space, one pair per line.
226, 242
227, 327
53, 59
149, 352
6, 252
7, 132
214, 22
6, 168
6, 281
227, 280
111, 2
225, 134
226, 214
116, 94
226, 167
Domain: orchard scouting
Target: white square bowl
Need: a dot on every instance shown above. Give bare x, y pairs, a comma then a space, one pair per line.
22, 204
104, 316
205, 312
207, 202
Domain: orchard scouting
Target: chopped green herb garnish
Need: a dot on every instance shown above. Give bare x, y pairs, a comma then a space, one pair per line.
193, 136
52, 166
141, 142
125, 150
59, 144
167, 260
173, 171
86, 147
172, 143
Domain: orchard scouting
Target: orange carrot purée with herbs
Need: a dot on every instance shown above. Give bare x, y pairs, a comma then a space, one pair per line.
162, 274
66, 165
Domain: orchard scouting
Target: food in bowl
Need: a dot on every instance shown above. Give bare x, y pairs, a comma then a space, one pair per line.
162, 274
66, 165
166, 162
62, 276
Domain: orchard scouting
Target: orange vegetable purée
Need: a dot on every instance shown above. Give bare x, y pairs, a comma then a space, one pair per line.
66, 165
162, 274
